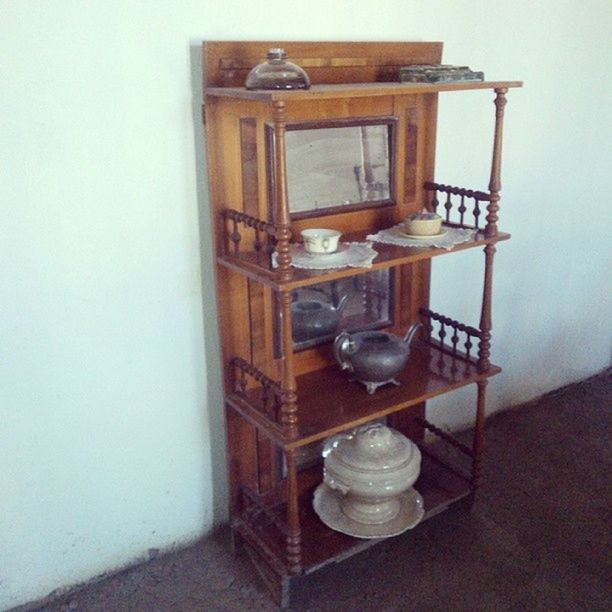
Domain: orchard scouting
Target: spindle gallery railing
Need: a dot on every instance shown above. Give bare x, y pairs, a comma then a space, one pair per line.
271, 392
264, 238
446, 202
460, 337
453, 469
466, 450
251, 531
254, 510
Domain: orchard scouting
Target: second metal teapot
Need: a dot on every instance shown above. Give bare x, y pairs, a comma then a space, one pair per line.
374, 358
315, 319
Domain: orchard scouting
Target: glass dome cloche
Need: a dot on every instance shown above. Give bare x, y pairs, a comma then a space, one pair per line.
277, 73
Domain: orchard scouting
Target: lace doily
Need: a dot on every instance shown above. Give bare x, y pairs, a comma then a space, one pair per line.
446, 240
349, 254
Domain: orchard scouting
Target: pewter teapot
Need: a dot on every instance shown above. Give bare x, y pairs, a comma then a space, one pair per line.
374, 358
313, 319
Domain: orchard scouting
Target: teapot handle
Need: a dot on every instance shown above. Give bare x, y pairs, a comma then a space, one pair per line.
341, 346
342, 303
411, 331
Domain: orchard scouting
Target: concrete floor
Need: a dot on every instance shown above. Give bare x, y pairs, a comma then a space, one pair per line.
537, 538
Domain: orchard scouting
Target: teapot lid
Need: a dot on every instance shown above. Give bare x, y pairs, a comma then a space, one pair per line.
373, 447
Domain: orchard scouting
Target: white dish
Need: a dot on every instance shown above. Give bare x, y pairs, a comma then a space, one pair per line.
421, 237
326, 504
352, 254
342, 248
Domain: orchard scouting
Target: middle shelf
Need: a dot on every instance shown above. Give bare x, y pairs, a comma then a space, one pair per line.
255, 263
329, 402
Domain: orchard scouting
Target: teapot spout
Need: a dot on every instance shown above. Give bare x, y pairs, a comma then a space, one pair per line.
342, 304
411, 331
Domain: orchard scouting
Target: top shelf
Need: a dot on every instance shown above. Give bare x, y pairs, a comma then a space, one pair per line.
354, 90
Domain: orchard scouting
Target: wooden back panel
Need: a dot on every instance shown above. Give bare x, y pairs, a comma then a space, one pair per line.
227, 63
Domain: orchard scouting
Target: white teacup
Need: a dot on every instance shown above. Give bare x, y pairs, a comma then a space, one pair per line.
321, 241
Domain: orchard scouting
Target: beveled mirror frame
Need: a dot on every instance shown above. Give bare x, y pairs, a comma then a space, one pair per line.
389, 121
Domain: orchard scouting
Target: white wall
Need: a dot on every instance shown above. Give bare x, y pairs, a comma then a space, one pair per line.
110, 425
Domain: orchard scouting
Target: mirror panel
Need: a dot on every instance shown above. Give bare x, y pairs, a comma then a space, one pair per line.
337, 165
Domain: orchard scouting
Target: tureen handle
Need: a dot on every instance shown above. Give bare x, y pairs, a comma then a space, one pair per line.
333, 483
328, 447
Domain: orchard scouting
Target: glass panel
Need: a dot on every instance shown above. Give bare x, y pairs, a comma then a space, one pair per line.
337, 166
322, 311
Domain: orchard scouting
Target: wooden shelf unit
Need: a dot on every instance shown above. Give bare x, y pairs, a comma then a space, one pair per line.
281, 404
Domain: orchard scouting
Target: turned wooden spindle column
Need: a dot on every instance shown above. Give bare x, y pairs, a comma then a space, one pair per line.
288, 394
294, 534
484, 352
283, 235
283, 220
289, 419
495, 182
478, 443
486, 323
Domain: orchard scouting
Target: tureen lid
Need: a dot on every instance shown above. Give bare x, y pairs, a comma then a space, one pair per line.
373, 447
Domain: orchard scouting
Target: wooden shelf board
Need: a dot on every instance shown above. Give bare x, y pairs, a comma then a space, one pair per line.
329, 402
388, 256
355, 90
322, 545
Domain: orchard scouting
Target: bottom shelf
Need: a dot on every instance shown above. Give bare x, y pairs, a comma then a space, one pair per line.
321, 545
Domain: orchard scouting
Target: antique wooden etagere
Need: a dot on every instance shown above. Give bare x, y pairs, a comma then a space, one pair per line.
279, 402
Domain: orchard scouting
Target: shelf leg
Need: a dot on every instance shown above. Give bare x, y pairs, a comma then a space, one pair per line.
484, 351
294, 534
478, 441
283, 220
495, 182
289, 419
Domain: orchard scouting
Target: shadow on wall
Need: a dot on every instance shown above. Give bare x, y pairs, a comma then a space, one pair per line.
214, 393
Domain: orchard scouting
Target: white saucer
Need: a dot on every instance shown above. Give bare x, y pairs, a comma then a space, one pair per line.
352, 254
342, 247
421, 237
326, 504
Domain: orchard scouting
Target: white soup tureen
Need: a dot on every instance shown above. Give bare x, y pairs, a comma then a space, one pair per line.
370, 469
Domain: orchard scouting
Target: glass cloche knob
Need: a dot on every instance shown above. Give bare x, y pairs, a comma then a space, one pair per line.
277, 73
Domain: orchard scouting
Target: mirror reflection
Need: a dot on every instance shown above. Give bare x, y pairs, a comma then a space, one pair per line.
336, 167
322, 311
